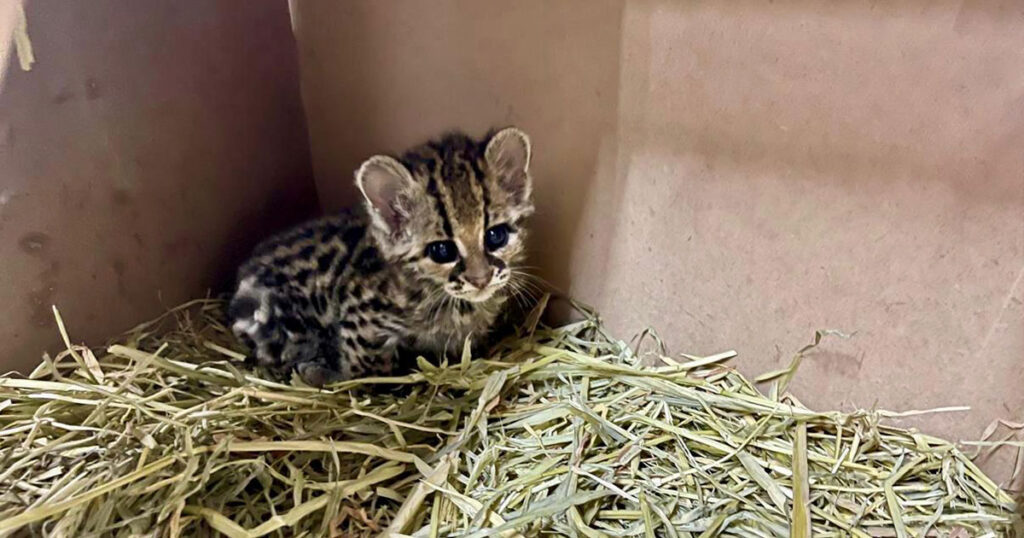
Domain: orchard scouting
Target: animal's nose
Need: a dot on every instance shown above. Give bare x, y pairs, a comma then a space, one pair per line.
478, 280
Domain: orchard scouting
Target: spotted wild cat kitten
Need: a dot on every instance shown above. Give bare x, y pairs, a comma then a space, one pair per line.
424, 264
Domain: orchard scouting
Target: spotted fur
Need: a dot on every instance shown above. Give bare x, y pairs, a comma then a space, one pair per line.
352, 294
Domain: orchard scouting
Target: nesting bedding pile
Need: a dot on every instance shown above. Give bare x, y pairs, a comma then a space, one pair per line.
562, 432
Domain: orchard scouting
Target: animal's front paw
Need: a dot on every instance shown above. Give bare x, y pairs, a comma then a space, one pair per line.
318, 375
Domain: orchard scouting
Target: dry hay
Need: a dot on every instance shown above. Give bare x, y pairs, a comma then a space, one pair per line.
560, 432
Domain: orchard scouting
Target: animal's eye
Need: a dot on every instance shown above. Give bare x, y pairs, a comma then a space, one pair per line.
442, 251
496, 237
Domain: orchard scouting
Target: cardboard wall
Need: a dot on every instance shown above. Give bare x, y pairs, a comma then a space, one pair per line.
737, 174
150, 145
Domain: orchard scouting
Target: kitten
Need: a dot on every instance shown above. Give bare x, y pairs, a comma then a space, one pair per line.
426, 262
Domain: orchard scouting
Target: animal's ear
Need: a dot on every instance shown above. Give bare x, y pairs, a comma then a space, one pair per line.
388, 188
508, 154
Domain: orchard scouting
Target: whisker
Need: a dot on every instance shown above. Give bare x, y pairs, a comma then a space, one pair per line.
526, 283
518, 295
538, 279
525, 297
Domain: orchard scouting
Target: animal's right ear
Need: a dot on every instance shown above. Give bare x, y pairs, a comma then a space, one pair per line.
387, 188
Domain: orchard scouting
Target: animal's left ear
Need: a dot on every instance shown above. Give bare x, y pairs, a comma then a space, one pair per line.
389, 192
508, 154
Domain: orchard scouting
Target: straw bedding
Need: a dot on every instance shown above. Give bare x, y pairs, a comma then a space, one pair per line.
562, 432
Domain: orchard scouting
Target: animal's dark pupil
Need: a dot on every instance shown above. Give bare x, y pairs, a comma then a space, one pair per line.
442, 251
497, 237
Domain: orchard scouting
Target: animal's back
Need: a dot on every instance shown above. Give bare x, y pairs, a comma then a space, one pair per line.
299, 287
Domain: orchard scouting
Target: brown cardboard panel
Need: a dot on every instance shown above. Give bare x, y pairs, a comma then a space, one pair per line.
149, 147
737, 174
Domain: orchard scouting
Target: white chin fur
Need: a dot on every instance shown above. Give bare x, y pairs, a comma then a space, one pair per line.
477, 296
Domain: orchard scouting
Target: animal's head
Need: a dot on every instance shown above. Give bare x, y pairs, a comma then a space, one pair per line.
453, 210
